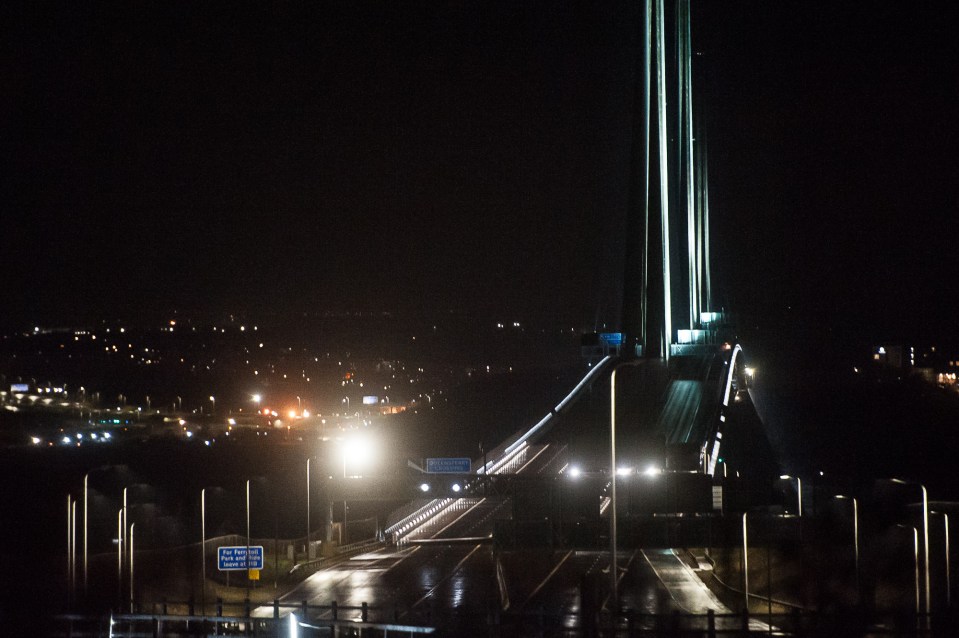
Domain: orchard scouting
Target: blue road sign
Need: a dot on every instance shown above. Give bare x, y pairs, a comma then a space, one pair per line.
448, 466
233, 558
611, 338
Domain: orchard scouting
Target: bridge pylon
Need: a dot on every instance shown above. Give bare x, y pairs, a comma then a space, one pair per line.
665, 291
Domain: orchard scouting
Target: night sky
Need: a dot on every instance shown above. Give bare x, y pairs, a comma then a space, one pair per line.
419, 157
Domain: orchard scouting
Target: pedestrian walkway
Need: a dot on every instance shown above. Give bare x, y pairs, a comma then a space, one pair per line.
686, 588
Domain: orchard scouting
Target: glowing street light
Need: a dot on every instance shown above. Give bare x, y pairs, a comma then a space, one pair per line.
357, 452
213, 406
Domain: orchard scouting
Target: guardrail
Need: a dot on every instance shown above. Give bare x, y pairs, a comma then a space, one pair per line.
287, 619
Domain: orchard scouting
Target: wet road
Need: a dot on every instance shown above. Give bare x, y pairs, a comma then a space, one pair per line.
441, 573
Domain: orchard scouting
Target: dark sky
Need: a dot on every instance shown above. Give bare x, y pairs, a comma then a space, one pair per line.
472, 156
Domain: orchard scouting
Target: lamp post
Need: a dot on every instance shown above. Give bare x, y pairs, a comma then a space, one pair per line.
123, 529
343, 533
614, 567
203, 551
86, 478
745, 565
787, 477
132, 525
213, 405
73, 549
915, 557
69, 547
925, 535
248, 538
945, 518
855, 537
948, 573
307, 509
120, 557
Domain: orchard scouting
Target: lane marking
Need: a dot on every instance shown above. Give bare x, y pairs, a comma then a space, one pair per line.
545, 580
468, 510
442, 580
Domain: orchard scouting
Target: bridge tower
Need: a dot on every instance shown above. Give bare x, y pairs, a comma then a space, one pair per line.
664, 289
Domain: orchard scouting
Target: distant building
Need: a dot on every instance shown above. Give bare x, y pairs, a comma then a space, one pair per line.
892, 357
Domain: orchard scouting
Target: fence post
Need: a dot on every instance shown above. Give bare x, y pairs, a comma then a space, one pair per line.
333, 609
745, 620
219, 607
276, 608
364, 611
711, 623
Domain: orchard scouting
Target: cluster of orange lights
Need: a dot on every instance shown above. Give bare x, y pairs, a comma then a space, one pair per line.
291, 414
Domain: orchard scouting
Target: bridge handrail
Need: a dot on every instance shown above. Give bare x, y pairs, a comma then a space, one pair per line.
434, 506
521, 435
400, 513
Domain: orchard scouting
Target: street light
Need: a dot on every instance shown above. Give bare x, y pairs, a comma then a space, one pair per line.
915, 556
203, 550
948, 569
855, 536
925, 534
132, 525
70, 509
122, 543
614, 567
745, 565
307, 508
120, 557
787, 477
73, 549
86, 478
248, 537
213, 406
356, 451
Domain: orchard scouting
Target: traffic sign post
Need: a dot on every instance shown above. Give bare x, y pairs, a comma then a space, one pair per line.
235, 558
448, 466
